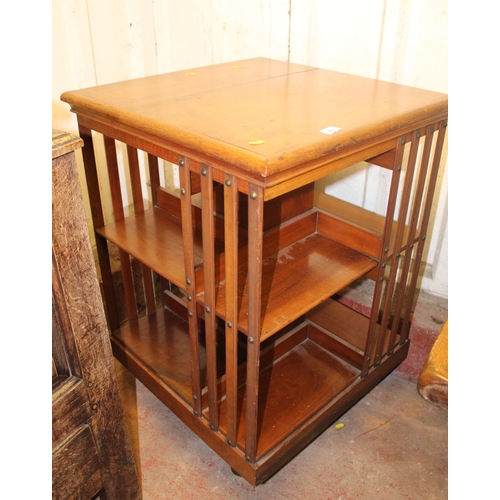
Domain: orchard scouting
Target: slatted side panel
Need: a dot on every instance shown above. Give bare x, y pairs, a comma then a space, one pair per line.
138, 196
91, 176
125, 263
391, 285
406, 262
423, 221
137, 290
374, 328
410, 204
116, 187
154, 179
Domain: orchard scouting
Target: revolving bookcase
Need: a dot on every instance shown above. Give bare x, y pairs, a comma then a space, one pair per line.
244, 338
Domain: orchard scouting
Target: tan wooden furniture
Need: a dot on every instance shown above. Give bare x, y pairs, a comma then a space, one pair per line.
433, 379
91, 453
249, 347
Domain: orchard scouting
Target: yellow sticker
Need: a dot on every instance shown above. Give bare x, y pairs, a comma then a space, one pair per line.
339, 426
236, 66
190, 73
256, 143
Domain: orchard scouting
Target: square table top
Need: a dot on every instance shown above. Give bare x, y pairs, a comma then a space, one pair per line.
262, 115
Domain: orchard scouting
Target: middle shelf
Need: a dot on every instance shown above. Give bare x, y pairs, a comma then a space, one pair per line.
295, 279
303, 264
154, 238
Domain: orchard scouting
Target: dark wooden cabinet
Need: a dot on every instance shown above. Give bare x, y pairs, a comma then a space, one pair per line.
247, 342
91, 452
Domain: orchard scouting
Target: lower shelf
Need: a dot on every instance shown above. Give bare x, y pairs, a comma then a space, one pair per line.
160, 342
298, 376
303, 386
291, 390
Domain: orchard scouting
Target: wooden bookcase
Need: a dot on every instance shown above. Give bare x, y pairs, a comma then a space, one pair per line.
246, 342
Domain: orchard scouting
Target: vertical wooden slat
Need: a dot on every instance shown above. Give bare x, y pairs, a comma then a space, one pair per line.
128, 279
164, 286
91, 176
255, 247
400, 228
231, 197
128, 285
188, 243
149, 289
118, 213
424, 223
154, 176
98, 221
208, 231
114, 177
373, 331
415, 213
135, 179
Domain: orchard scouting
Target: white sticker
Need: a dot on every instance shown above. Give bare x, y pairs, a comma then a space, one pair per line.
330, 130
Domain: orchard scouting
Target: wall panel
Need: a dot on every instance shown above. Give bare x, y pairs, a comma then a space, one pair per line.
332, 34
405, 41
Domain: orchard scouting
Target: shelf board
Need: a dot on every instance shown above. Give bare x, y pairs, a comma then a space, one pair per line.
342, 321
291, 391
296, 279
160, 342
154, 237
344, 210
357, 218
